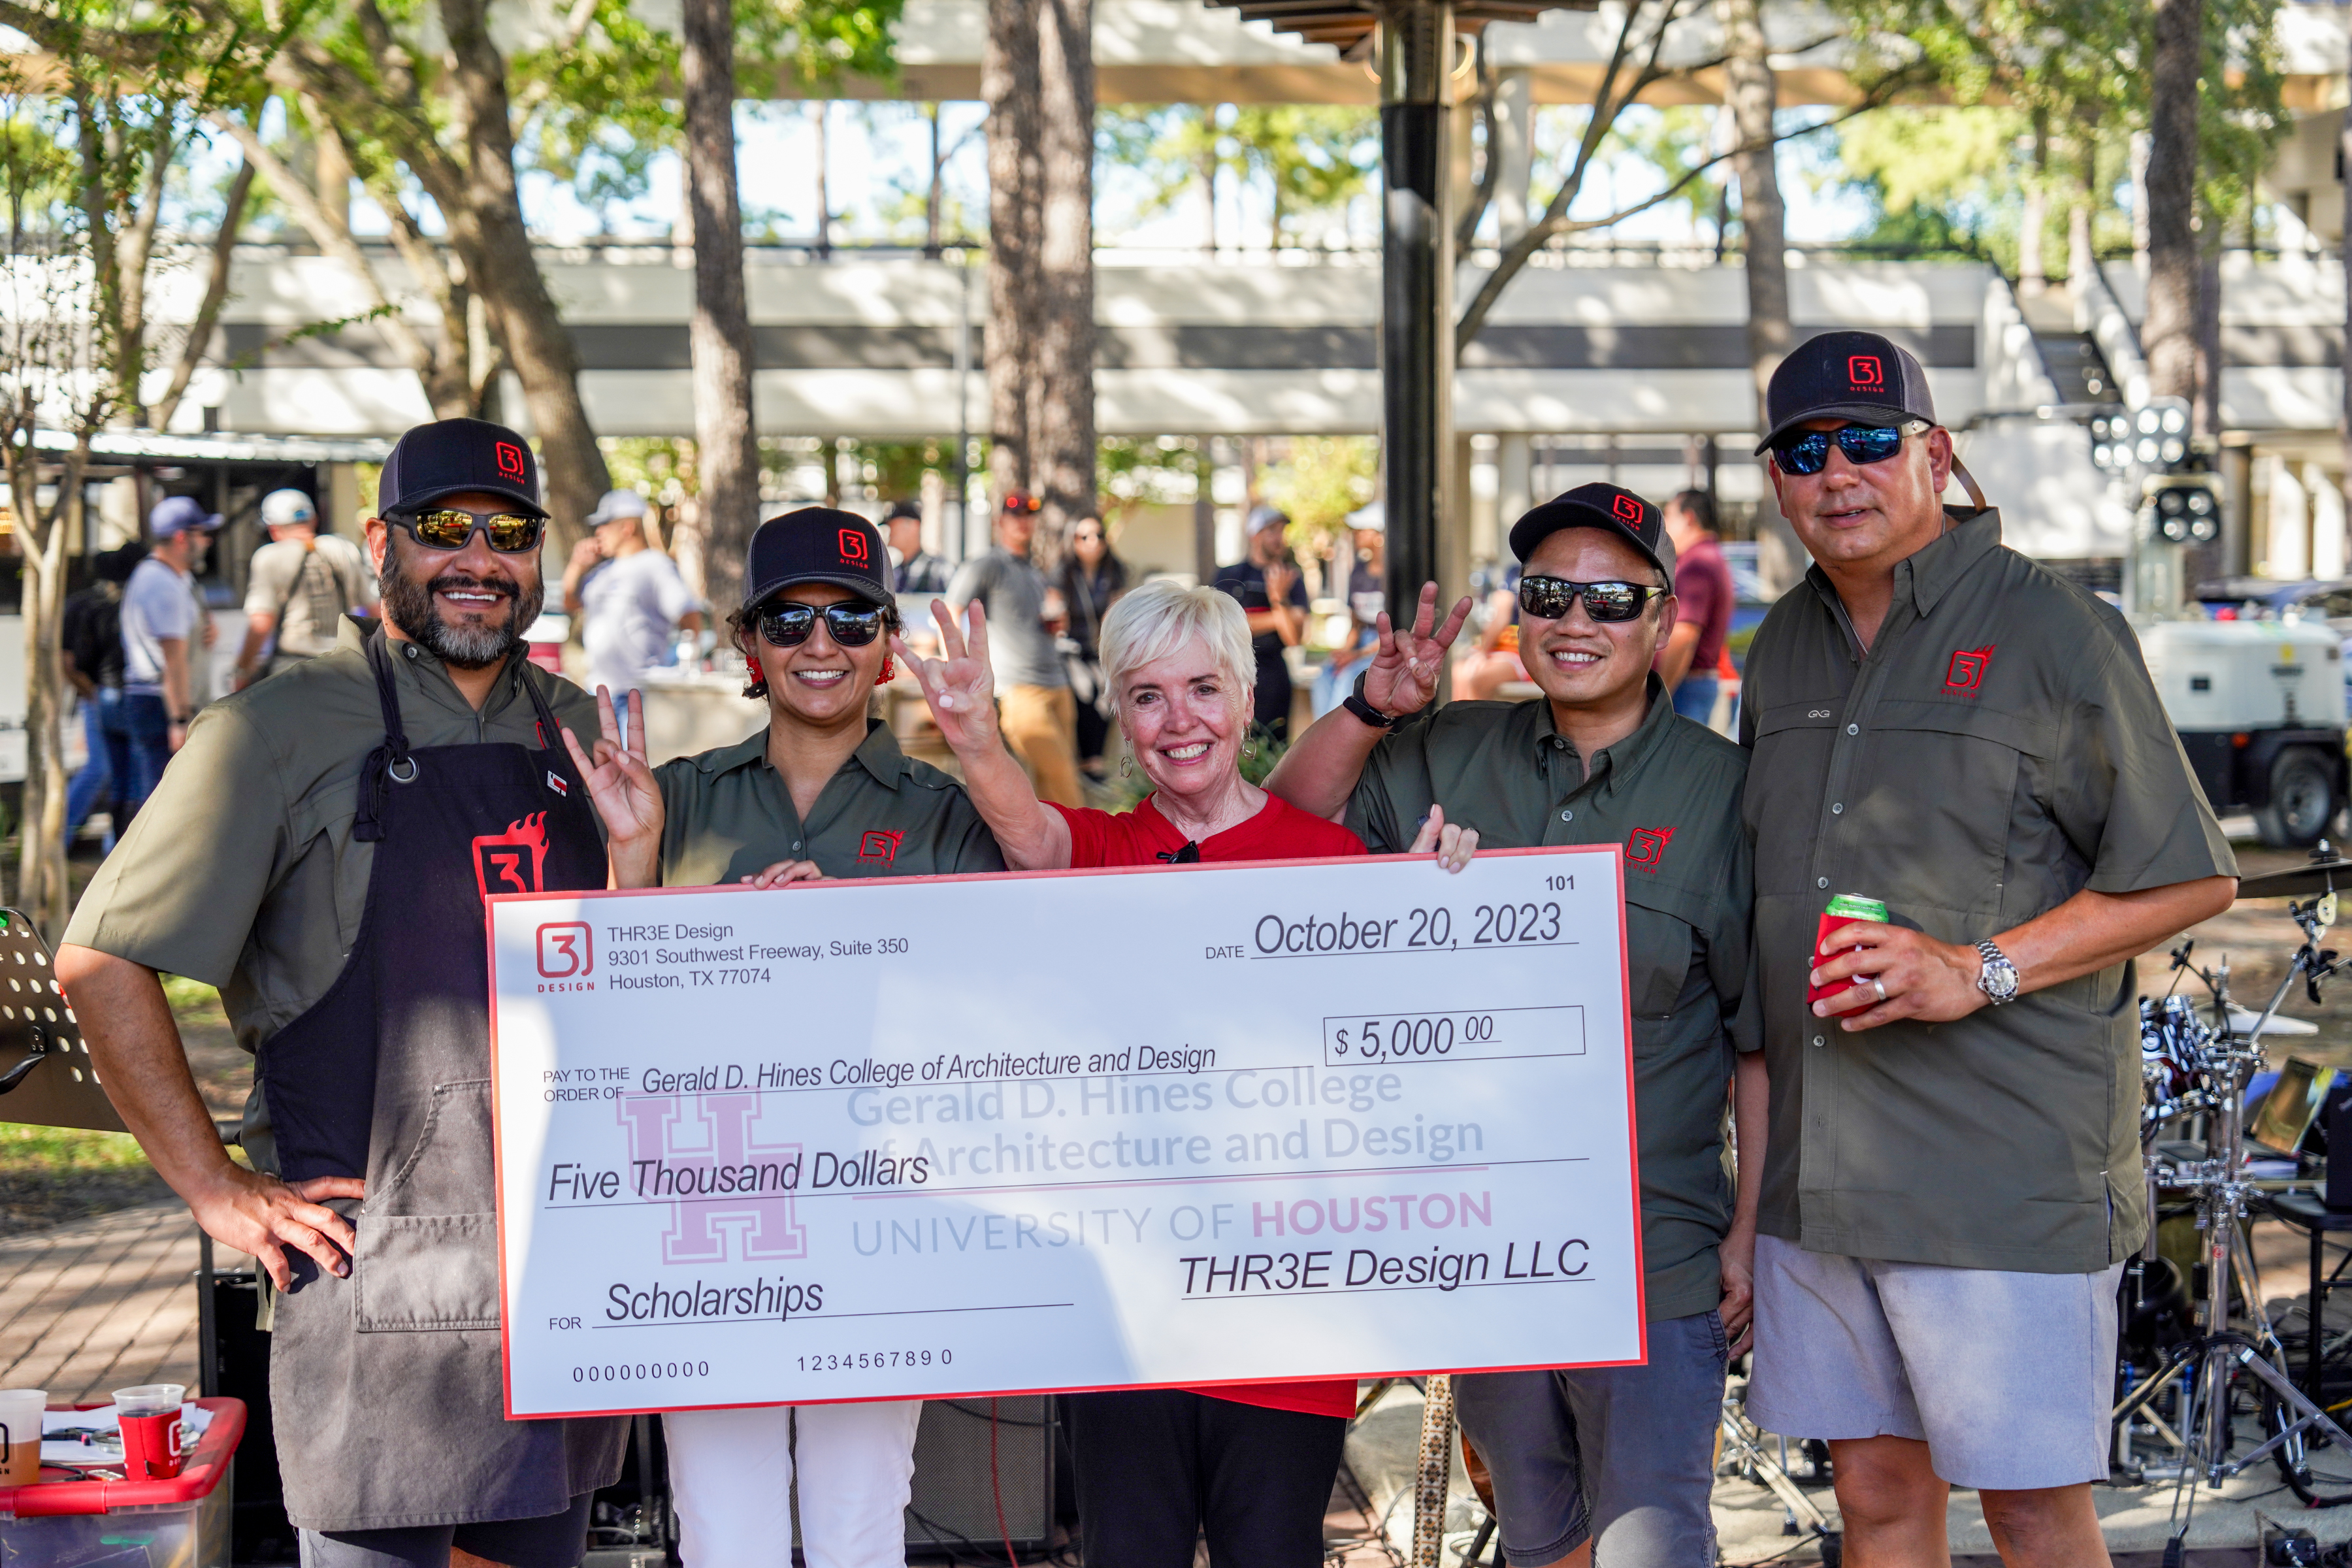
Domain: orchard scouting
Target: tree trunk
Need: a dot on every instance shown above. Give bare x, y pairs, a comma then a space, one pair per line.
1063, 462
1209, 180
725, 435
2169, 334
1754, 96
2344, 155
484, 216
41, 884
931, 195
823, 112
2031, 278
1009, 80
200, 330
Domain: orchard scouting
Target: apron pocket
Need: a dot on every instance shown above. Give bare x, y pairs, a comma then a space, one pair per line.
415, 1272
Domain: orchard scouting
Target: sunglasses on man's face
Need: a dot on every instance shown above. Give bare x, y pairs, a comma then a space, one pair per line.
1549, 598
1809, 452
849, 624
453, 528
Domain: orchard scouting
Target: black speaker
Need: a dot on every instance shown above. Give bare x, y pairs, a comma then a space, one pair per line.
983, 1473
2336, 1117
258, 1532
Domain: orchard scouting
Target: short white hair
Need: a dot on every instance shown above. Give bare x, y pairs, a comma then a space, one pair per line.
1159, 618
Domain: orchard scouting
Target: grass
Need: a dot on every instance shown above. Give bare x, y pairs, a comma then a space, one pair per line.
65, 1150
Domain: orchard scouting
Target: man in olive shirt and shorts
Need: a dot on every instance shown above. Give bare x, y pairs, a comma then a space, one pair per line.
1034, 705
1621, 1456
1953, 1177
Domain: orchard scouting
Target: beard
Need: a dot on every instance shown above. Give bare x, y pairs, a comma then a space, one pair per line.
408, 604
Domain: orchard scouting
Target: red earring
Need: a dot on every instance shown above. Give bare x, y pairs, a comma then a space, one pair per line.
757, 687
889, 671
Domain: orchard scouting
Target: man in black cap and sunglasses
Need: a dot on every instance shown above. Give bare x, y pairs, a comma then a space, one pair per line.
1953, 1177
1622, 1456
320, 849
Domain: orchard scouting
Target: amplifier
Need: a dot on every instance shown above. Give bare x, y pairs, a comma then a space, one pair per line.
972, 1456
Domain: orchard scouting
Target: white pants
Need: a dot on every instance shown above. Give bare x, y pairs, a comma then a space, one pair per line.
730, 1475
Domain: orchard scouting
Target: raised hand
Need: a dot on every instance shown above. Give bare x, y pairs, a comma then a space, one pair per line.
1405, 671
621, 785
1451, 842
960, 686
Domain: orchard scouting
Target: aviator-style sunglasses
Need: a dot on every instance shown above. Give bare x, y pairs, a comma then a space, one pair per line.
453, 528
850, 624
1809, 452
1549, 598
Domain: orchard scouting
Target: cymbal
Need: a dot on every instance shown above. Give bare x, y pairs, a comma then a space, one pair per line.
2328, 876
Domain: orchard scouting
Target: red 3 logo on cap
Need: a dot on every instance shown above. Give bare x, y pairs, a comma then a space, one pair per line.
1967, 671
509, 458
1627, 509
853, 547
1647, 846
1864, 370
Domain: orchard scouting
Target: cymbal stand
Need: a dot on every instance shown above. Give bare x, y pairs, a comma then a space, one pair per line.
2207, 1364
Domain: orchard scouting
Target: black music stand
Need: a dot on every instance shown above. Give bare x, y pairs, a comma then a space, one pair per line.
46, 1078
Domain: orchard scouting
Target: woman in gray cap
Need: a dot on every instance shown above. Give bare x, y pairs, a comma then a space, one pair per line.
822, 790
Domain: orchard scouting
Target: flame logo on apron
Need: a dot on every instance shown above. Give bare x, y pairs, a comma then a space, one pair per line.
510, 862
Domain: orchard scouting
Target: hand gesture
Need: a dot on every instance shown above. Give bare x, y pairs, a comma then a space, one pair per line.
1405, 671
621, 784
960, 687
1453, 845
1278, 579
261, 1216
785, 871
585, 553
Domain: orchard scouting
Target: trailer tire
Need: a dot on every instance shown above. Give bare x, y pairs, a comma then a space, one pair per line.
2303, 800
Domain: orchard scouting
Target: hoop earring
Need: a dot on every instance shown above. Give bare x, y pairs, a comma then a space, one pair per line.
1126, 767
1249, 752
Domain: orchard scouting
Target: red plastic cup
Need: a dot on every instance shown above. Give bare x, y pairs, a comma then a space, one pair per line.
153, 1443
1844, 910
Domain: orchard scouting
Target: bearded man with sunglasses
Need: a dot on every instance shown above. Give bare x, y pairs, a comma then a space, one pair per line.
320, 849
1622, 1456
1953, 1177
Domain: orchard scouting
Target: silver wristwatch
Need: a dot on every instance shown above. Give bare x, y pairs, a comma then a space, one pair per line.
1998, 978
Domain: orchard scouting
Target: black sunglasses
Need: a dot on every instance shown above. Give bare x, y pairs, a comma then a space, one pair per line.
1809, 452
1549, 598
849, 624
453, 528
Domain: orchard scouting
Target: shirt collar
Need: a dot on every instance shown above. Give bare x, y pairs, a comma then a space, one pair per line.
431, 676
878, 755
1627, 754
1928, 573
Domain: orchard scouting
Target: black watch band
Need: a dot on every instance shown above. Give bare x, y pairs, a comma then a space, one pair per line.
1354, 703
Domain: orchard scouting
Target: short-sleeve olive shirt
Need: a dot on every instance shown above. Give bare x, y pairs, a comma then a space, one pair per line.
728, 816
1999, 749
241, 870
1669, 793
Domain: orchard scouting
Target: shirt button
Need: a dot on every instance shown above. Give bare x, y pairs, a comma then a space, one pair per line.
1837, 808
1818, 881
1854, 728
409, 649
796, 843
1817, 1040
1567, 816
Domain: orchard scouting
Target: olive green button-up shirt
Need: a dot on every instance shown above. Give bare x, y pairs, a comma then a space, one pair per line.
241, 870
1669, 793
1997, 750
730, 815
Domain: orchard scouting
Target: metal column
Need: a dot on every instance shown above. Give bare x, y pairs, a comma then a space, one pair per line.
1416, 54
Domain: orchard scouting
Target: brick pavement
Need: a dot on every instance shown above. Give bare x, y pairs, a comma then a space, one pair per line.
103, 1304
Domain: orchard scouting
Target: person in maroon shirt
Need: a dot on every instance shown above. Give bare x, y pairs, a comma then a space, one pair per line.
1704, 598
1251, 1463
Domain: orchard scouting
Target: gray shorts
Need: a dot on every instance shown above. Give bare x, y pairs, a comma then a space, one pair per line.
552, 1541
1621, 1455
2007, 1377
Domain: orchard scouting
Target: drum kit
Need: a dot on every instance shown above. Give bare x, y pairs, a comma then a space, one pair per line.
2180, 1389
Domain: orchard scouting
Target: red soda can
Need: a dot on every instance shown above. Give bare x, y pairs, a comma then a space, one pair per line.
1844, 909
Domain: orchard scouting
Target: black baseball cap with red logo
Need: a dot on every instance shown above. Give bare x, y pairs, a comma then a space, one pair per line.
1613, 508
1858, 376
818, 544
453, 456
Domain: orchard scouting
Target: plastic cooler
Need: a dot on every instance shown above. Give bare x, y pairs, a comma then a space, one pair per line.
180, 1524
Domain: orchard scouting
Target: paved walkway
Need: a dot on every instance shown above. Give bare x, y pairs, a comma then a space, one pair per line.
89, 1307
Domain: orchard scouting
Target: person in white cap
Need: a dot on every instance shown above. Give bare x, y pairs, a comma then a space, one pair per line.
1364, 549
632, 600
300, 585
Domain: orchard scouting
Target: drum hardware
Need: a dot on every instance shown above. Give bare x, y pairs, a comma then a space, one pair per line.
1743, 1453
2204, 1368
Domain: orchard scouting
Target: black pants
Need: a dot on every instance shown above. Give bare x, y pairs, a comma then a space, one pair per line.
1271, 712
1158, 1466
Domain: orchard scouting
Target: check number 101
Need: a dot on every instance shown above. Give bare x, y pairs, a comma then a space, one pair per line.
1357, 1038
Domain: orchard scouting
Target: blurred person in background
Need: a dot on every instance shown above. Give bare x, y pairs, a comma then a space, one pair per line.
915, 570
1250, 1463
822, 790
1039, 714
1092, 579
91, 637
1363, 585
1266, 582
1704, 596
300, 586
164, 622
1480, 675
632, 601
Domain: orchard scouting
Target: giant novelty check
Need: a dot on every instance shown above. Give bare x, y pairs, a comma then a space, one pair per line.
1184, 1126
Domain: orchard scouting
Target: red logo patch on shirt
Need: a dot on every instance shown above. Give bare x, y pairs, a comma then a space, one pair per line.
509, 862
1967, 671
853, 547
879, 847
1647, 846
1865, 372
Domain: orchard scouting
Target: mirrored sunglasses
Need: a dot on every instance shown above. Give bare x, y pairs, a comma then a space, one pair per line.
1549, 598
452, 528
849, 624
